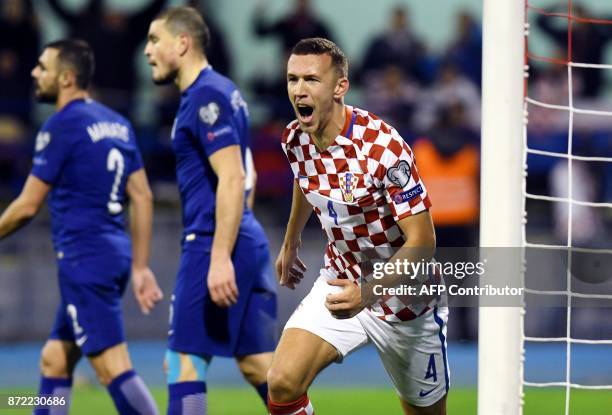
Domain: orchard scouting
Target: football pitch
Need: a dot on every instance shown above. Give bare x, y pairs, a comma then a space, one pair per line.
89, 400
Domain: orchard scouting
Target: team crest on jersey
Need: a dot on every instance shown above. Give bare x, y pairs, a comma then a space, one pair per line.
400, 174
42, 140
348, 183
209, 113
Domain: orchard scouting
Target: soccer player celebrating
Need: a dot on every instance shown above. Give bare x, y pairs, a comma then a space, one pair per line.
224, 301
360, 178
87, 159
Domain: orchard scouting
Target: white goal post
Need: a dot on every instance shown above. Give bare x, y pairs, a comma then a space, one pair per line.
500, 331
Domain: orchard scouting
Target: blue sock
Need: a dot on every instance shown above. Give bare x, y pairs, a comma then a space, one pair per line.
131, 396
262, 390
55, 387
187, 398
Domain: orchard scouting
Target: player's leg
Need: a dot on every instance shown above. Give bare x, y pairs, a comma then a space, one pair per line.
438, 408
258, 335
312, 339
114, 370
186, 378
414, 355
254, 368
93, 289
299, 357
58, 359
186, 360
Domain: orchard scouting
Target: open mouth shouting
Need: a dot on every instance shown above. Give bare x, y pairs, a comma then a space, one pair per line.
305, 113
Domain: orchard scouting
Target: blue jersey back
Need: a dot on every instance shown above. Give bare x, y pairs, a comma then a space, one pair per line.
212, 115
86, 152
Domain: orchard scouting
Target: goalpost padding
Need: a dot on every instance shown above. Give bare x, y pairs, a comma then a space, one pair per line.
502, 202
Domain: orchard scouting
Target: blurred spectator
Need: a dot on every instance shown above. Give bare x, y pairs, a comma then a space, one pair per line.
19, 44
449, 165
451, 88
589, 41
302, 22
587, 223
299, 24
398, 46
466, 51
392, 96
115, 38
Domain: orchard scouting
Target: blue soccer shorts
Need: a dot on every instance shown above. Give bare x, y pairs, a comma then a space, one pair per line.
198, 326
90, 310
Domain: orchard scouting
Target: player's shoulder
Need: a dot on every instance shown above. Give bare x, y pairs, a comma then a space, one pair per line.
375, 136
370, 128
214, 87
291, 130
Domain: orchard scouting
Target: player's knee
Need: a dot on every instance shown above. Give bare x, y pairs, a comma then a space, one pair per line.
182, 367
254, 368
283, 385
253, 375
53, 361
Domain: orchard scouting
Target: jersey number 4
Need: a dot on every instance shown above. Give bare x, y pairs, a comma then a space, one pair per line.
115, 163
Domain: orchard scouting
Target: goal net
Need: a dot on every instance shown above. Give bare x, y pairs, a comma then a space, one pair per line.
546, 156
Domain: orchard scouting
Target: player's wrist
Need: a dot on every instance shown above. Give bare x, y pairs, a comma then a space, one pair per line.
220, 254
139, 268
292, 243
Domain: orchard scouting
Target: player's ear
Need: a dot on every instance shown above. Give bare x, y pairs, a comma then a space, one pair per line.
342, 87
183, 44
66, 78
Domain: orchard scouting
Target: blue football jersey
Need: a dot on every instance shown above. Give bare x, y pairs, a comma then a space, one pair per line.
86, 152
212, 115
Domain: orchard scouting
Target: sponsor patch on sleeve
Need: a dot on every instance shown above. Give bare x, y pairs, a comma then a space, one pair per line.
408, 195
221, 131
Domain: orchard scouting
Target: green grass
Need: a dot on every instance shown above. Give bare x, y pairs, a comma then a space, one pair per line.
89, 400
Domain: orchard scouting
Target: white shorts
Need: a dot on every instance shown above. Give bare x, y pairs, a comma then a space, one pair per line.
412, 352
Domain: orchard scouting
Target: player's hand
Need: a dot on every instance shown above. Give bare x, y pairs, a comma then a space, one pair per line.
146, 290
289, 267
347, 303
222, 282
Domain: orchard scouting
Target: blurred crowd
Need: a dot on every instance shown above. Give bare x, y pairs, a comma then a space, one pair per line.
431, 98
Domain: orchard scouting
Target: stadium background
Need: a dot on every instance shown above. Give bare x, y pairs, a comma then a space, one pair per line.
433, 95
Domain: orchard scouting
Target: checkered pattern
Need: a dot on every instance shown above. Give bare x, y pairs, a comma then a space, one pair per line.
360, 187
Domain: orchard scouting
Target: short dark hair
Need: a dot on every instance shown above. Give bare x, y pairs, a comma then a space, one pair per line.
321, 46
188, 20
78, 55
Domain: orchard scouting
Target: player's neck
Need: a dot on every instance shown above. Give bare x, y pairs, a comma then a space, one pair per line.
190, 71
66, 96
332, 128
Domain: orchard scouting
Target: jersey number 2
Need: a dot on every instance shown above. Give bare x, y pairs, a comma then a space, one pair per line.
115, 163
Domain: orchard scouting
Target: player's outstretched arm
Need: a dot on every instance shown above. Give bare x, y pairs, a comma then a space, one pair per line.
25, 207
221, 280
289, 267
146, 290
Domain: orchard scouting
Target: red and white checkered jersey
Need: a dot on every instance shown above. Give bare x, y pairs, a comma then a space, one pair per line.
360, 187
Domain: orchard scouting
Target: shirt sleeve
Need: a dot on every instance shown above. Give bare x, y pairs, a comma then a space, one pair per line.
52, 149
215, 124
396, 173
